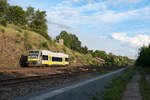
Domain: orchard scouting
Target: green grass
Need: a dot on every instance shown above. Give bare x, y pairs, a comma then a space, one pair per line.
144, 88
118, 86
103, 72
143, 84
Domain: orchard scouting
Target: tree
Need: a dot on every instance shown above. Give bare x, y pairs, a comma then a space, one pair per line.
38, 23
70, 40
16, 15
100, 54
3, 8
144, 57
84, 50
30, 15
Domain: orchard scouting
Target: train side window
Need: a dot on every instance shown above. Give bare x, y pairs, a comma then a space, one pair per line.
44, 57
67, 59
57, 59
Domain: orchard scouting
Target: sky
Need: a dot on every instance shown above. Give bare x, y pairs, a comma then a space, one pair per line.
117, 26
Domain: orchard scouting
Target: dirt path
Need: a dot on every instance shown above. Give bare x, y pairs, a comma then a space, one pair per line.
132, 90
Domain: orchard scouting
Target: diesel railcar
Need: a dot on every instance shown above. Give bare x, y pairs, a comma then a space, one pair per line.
46, 58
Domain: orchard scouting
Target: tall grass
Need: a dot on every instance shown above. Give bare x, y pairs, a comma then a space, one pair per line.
118, 86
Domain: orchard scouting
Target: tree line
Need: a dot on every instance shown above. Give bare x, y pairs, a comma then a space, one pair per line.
31, 19
72, 42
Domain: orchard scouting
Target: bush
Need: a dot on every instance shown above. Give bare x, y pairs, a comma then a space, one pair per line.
17, 41
64, 49
44, 44
20, 30
3, 22
2, 30
28, 46
18, 35
26, 35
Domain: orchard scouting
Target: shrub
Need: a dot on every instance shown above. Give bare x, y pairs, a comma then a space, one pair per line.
17, 41
2, 30
44, 44
18, 35
64, 49
28, 46
20, 30
3, 22
26, 35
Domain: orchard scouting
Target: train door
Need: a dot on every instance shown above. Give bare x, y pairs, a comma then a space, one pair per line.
45, 59
63, 60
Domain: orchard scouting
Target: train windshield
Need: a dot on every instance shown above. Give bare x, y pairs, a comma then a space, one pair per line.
33, 55
33, 52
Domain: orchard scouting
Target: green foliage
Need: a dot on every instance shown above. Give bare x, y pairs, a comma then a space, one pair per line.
44, 44
38, 22
144, 88
118, 86
111, 59
95, 63
144, 57
18, 35
17, 41
16, 15
64, 49
28, 46
20, 30
3, 22
2, 30
30, 15
70, 40
84, 50
26, 36
3, 8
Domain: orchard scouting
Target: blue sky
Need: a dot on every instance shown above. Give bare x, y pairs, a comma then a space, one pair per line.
117, 26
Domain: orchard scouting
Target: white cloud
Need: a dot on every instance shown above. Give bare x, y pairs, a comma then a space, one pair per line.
136, 41
77, 0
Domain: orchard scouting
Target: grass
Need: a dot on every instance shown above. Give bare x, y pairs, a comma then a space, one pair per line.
143, 84
144, 88
118, 86
103, 72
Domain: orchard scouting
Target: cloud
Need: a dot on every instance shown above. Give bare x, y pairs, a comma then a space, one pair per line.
77, 0
135, 41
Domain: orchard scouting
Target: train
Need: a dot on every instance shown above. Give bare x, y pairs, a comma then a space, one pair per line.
46, 58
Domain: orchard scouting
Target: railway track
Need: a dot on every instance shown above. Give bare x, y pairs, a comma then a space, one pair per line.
16, 81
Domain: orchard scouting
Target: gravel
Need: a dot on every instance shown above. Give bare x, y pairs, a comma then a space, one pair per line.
30, 87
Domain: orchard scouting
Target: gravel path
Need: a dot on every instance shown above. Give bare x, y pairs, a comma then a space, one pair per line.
132, 90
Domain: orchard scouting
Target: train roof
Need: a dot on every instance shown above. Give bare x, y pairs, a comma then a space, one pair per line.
47, 52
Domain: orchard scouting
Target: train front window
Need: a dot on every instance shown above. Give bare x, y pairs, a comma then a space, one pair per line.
33, 55
44, 57
33, 51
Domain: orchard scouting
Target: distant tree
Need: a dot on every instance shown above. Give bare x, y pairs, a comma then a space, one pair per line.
100, 54
16, 15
